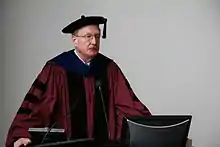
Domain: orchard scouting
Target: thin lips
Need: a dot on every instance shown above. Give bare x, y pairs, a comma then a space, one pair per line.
93, 48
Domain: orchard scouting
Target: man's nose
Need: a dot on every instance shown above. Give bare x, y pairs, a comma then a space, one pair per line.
93, 40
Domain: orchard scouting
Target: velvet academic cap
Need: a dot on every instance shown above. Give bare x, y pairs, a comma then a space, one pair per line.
85, 21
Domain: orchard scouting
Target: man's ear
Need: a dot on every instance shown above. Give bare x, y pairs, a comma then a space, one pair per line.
74, 39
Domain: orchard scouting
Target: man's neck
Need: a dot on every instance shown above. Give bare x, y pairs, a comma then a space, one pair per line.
85, 61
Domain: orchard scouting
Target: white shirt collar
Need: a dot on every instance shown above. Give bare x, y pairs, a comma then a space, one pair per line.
88, 63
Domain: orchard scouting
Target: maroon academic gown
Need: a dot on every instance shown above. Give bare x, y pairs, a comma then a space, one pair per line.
65, 94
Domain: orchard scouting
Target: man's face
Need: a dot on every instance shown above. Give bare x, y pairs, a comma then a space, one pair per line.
87, 41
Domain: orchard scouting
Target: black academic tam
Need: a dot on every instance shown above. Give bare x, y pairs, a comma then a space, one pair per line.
85, 21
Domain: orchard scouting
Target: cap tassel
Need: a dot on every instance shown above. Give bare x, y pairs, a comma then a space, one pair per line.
104, 29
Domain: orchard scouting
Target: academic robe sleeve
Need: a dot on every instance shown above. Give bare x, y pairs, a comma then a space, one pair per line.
127, 103
33, 112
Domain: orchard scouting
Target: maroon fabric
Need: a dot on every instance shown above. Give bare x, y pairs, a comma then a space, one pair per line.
48, 99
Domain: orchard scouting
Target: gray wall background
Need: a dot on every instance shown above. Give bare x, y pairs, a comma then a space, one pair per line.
168, 50
2, 123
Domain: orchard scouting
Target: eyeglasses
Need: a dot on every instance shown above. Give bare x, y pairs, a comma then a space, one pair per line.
89, 37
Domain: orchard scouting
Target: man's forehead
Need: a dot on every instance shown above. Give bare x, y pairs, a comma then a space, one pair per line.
89, 29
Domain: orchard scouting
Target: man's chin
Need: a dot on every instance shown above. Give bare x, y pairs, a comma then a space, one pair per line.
93, 52
91, 55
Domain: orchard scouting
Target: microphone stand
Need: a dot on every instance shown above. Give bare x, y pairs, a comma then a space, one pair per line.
98, 85
50, 128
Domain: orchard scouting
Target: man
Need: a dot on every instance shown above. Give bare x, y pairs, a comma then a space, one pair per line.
81, 91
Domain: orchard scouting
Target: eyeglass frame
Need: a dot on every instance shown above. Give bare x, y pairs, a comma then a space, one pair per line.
89, 37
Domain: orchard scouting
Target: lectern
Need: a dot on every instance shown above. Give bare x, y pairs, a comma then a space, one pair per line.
138, 131
47, 137
70, 143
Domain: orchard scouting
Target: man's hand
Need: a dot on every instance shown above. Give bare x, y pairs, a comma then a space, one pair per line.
22, 142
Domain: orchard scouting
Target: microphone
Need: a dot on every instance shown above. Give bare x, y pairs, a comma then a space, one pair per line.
48, 131
98, 85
